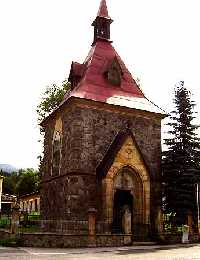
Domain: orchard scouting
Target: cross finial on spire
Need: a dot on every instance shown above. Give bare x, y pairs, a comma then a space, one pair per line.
102, 23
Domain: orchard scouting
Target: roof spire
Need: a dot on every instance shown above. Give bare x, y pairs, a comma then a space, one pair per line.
103, 10
102, 23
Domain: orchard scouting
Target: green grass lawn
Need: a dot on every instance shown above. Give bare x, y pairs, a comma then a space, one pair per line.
5, 222
29, 229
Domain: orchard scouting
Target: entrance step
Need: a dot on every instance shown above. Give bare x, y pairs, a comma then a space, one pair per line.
144, 243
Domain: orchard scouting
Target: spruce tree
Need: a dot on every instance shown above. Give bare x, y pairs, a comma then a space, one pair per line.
180, 162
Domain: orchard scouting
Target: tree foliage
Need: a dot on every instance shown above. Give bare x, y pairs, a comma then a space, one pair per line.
180, 162
51, 99
20, 183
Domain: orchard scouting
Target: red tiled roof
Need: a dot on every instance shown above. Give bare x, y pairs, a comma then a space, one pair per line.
94, 84
103, 11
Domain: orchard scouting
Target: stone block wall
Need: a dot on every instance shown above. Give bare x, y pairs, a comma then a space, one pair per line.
67, 197
87, 133
49, 240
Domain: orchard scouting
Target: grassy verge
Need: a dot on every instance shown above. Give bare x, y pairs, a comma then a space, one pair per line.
11, 242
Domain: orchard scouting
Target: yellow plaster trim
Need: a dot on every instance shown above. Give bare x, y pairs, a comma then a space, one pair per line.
58, 125
129, 156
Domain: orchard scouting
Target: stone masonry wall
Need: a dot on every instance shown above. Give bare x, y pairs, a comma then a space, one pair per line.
67, 197
87, 135
49, 240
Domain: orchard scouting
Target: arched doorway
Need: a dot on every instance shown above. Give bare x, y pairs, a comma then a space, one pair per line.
126, 203
122, 212
127, 176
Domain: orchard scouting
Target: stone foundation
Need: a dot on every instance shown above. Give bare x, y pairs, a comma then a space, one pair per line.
5, 234
73, 241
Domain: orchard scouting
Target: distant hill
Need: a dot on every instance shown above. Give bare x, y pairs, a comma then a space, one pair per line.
8, 168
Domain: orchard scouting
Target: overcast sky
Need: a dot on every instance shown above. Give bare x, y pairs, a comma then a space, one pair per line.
158, 40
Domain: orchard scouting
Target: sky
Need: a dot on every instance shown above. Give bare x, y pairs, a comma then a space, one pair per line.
158, 40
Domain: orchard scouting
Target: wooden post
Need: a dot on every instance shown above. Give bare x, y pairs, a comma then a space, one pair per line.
92, 227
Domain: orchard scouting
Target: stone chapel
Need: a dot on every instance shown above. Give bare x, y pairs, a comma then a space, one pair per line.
102, 147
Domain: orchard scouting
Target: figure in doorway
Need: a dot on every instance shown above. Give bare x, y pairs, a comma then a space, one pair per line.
126, 220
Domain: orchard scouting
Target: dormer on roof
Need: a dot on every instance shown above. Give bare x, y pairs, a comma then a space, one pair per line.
114, 72
76, 74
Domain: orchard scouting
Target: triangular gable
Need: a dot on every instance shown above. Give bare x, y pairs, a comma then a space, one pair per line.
123, 141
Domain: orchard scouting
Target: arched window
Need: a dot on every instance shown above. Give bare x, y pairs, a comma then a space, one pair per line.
56, 154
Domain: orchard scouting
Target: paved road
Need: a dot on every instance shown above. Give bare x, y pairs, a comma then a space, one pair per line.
128, 253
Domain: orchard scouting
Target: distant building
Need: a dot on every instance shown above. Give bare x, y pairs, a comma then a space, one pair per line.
7, 202
30, 203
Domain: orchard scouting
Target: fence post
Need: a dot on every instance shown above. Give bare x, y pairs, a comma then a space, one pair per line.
15, 218
92, 227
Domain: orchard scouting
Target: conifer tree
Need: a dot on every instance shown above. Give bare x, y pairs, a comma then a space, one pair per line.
180, 162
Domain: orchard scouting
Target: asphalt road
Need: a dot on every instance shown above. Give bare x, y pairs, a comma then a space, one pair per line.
177, 252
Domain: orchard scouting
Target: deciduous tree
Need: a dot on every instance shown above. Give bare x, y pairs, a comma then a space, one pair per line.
50, 100
20, 183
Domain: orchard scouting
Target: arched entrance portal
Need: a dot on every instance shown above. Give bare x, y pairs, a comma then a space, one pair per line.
126, 202
122, 212
125, 187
